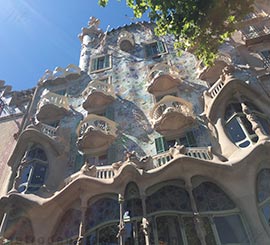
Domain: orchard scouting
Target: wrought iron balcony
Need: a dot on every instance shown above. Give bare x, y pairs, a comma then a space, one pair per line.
95, 134
163, 77
98, 95
52, 106
171, 113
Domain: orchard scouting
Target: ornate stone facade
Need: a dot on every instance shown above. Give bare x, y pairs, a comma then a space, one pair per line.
141, 146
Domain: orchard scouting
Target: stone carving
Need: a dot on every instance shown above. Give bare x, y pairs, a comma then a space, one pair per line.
145, 226
89, 169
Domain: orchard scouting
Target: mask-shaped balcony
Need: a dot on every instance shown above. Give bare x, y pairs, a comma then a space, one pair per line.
99, 94
163, 77
52, 106
95, 134
171, 114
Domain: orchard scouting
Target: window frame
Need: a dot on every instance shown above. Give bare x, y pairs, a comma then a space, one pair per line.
154, 54
94, 63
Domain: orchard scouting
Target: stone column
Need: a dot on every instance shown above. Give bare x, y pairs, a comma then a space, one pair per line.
196, 216
145, 223
251, 117
81, 238
3, 224
121, 222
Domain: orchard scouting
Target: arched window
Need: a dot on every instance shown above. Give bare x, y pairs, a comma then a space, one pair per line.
68, 229
133, 213
171, 217
102, 219
263, 193
238, 124
18, 228
220, 216
33, 170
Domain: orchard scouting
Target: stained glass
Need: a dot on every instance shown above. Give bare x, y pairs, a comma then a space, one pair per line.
68, 226
210, 197
103, 210
168, 198
168, 229
190, 231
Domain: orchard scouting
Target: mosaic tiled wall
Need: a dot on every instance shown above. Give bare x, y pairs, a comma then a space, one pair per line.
133, 103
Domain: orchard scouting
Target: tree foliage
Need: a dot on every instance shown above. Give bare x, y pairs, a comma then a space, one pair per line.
200, 26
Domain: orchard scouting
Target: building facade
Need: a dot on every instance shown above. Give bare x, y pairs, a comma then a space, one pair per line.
140, 146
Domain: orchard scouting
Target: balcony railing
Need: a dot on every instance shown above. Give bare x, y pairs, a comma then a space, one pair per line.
54, 99
203, 153
162, 158
48, 130
199, 152
60, 72
98, 123
100, 86
171, 104
44, 128
105, 172
216, 88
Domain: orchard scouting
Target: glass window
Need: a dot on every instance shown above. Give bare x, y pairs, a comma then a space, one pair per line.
190, 231
168, 197
105, 209
239, 127
154, 49
230, 229
68, 226
263, 194
100, 63
34, 170
210, 197
19, 228
168, 229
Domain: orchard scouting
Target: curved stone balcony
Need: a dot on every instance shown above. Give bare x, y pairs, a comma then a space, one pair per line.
95, 134
126, 41
98, 95
163, 77
52, 106
171, 114
71, 72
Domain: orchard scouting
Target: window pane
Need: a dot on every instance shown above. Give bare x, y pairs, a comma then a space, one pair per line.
68, 225
38, 175
263, 185
209, 237
134, 206
169, 230
247, 125
266, 213
210, 197
129, 234
168, 198
190, 231
107, 235
103, 210
91, 239
230, 229
234, 130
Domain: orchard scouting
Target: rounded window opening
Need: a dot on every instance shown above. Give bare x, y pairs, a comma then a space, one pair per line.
245, 123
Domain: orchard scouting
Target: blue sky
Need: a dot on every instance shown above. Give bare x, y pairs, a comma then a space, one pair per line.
36, 35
